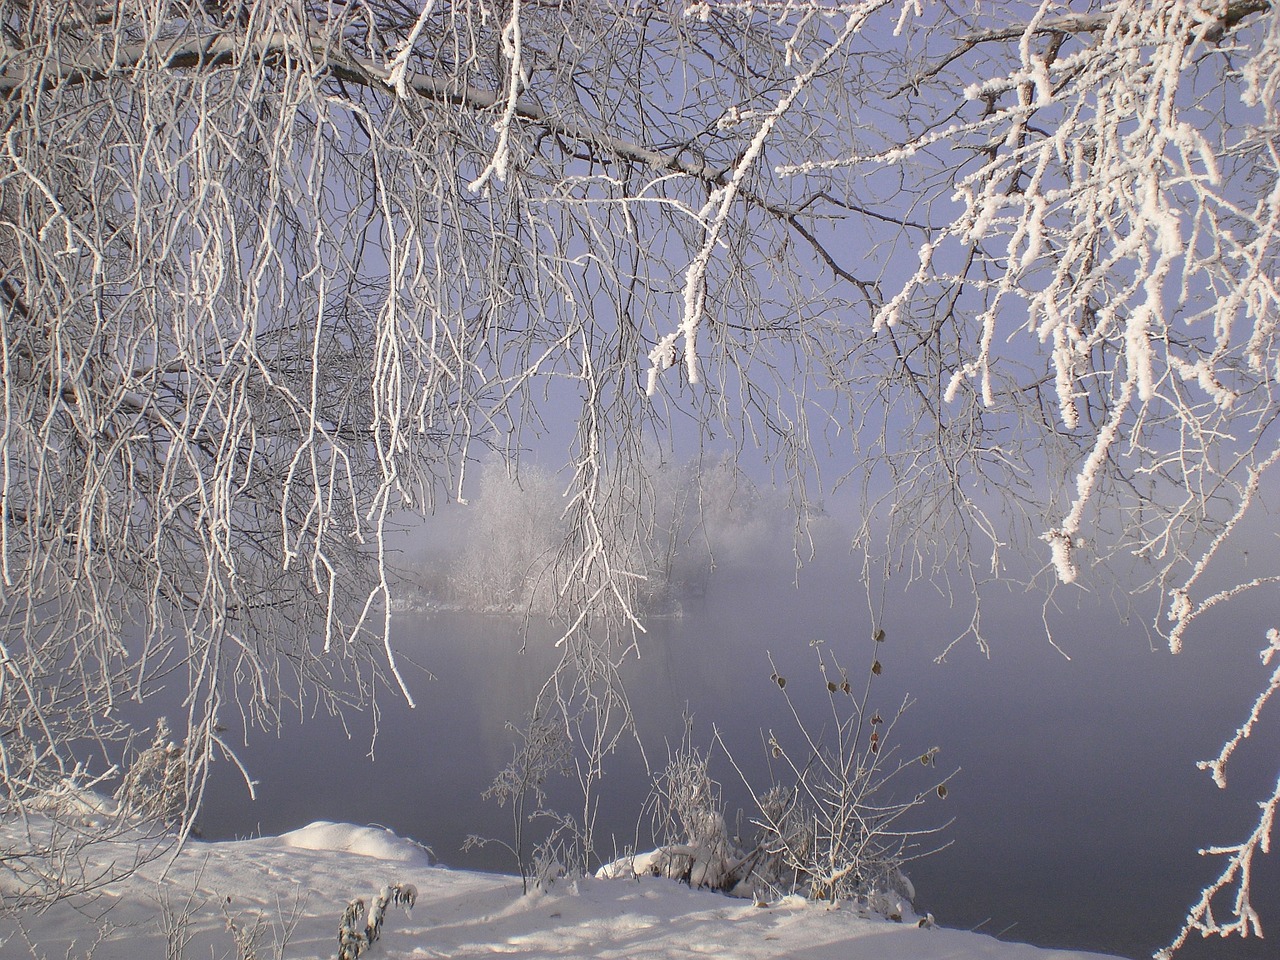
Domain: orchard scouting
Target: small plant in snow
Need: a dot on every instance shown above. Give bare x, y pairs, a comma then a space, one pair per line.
354, 938
176, 921
541, 751
563, 852
247, 935
155, 787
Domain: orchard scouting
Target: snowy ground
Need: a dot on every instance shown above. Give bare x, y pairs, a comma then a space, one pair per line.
291, 890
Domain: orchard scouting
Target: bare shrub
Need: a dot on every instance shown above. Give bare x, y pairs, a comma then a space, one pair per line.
838, 829
541, 751
833, 824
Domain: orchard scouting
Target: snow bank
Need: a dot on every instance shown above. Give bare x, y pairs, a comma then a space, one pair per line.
377, 842
283, 896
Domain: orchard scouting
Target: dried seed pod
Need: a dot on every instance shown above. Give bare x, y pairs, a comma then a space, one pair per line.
876, 668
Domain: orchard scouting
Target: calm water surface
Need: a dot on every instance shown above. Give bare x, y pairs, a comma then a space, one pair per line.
1077, 808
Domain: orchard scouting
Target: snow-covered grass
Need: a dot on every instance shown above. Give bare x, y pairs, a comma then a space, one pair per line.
284, 895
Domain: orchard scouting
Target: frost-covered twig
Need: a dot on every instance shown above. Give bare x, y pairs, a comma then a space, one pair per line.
1181, 611
1217, 766
512, 49
1237, 874
397, 69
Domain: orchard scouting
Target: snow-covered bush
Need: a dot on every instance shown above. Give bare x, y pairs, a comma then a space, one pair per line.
155, 786
831, 825
688, 818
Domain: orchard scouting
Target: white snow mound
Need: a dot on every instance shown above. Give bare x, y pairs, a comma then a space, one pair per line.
376, 842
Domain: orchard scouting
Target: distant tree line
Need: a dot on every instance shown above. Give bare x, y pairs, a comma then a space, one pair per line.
503, 553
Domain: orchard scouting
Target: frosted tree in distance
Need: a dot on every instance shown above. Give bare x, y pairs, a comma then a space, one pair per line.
272, 275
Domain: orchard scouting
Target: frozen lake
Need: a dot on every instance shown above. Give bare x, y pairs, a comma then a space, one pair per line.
1078, 809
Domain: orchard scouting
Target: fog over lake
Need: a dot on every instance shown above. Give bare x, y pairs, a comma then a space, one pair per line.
1077, 807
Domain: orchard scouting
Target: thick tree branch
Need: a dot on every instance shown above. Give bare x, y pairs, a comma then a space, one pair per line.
1236, 13
225, 49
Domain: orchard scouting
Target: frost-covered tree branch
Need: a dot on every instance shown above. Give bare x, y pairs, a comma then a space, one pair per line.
255, 305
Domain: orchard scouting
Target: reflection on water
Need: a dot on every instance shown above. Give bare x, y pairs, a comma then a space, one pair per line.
1078, 810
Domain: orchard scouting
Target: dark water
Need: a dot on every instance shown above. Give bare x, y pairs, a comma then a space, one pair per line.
1077, 808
